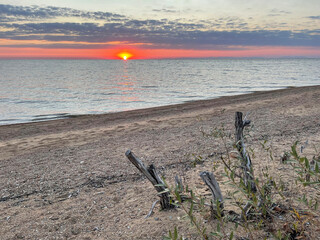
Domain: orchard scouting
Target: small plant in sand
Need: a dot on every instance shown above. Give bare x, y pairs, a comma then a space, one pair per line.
250, 195
308, 172
195, 209
255, 198
185, 199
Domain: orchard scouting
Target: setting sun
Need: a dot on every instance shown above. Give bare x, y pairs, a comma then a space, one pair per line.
124, 55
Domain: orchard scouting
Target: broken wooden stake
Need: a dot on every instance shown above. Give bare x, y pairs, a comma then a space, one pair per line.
217, 199
153, 177
246, 164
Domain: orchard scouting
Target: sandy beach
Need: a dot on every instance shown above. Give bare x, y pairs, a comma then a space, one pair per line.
70, 179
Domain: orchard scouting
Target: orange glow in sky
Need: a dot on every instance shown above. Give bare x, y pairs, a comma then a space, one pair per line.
140, 53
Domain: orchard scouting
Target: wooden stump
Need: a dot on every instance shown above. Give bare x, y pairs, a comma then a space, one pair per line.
246, 163
217, 199
153, 177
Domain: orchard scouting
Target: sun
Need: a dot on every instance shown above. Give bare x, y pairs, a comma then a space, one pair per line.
124, 55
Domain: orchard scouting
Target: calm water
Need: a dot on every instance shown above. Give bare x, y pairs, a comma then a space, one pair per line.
35, 90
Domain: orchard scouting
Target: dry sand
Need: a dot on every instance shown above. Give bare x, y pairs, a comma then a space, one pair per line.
70, 179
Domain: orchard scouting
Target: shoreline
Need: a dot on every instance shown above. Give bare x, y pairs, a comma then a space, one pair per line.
61, 116
56, 117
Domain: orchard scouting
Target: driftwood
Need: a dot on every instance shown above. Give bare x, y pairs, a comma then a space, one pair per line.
217, 198
246, 164
153, 177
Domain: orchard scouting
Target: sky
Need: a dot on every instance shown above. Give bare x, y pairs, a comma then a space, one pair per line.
147, 29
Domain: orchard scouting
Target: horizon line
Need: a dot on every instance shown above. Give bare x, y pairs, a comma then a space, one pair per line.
160, 58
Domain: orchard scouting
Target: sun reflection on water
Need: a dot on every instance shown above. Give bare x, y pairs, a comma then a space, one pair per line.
127, 86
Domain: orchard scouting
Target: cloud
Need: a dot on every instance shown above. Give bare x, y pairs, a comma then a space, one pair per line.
11, 12
98, 28
314, 17
276, 12
163, 10
280, 12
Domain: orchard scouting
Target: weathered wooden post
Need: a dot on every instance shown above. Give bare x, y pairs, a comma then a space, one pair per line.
154, 178
246, 164
217, 199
